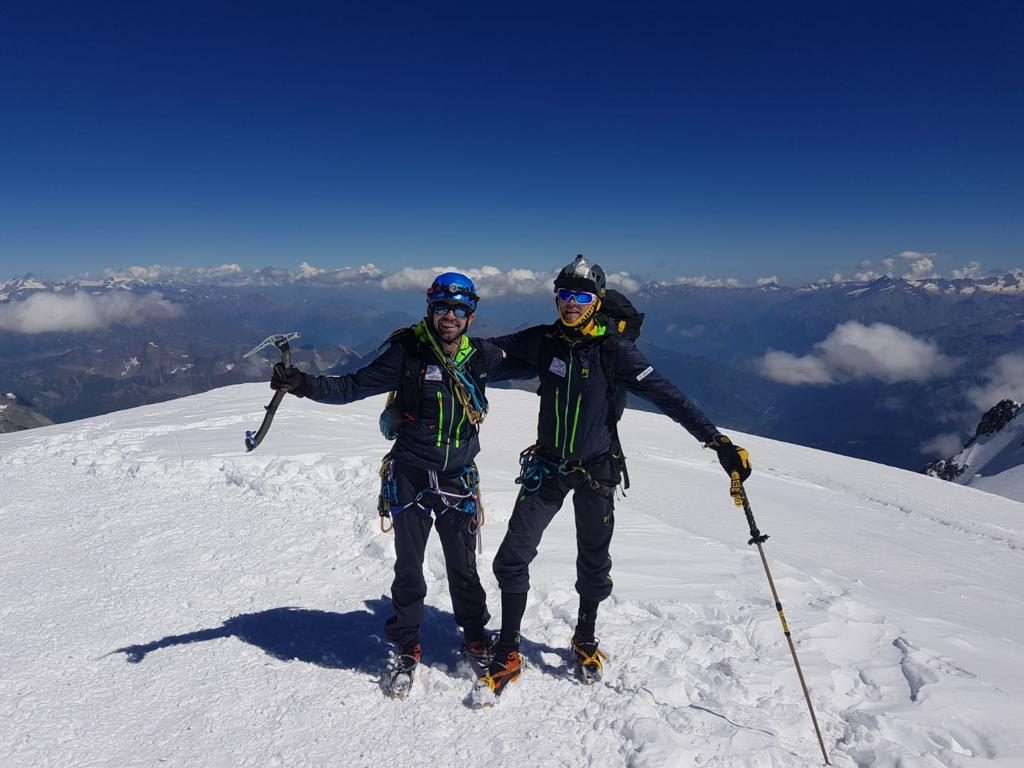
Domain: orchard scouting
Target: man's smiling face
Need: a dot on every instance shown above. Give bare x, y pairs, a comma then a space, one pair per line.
572, 313
448, 326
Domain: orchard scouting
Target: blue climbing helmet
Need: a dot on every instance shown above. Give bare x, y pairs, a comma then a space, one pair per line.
453, 288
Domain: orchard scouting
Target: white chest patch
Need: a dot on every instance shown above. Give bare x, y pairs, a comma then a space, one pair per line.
557, 367
433, 373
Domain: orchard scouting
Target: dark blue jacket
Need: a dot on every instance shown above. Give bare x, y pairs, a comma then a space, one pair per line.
441, 437
575, 401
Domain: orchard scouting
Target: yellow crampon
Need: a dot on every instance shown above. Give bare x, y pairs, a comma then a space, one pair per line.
595, 659
496, 681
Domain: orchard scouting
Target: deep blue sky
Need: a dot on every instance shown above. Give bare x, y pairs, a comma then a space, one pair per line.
719, 139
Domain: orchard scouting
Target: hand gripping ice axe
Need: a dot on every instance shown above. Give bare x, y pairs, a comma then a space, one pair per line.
279, 340
739, 497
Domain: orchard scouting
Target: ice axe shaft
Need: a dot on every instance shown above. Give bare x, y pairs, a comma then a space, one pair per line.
739, 497
279, 340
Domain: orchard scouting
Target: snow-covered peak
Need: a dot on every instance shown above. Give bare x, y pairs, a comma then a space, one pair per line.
176, 599
997, 446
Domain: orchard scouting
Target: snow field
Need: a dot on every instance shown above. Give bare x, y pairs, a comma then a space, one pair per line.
173, 600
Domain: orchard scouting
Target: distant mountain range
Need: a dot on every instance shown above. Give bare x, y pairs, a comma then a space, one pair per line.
707, 340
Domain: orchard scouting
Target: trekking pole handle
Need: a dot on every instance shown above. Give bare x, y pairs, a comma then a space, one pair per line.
739, 498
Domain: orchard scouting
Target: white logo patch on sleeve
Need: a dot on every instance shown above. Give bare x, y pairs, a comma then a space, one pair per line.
557, 367
645, 373
433, 373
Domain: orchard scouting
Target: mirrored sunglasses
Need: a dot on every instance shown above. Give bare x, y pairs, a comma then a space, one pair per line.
580, 297
440, 308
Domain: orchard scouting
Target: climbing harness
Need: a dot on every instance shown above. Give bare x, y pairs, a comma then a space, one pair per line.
466, 500
536, 464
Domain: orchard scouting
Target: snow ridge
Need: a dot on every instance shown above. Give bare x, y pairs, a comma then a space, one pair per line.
174, 600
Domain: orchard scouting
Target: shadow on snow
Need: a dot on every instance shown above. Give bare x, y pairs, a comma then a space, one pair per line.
352, 640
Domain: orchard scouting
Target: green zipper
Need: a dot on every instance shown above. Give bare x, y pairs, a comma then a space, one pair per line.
458, 429
558, 427
440, 417
568, 389
451, 423
575, 423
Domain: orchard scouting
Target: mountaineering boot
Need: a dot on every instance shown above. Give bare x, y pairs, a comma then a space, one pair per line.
401, 669
479, 653
587, 659
504, 669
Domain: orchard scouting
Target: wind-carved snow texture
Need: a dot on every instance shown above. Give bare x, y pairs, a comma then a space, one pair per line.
171, 600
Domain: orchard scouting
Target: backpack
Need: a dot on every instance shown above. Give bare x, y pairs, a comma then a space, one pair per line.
617, 308
403, 403
624, 322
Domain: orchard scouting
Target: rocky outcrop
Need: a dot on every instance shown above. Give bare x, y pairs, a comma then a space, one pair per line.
15, 417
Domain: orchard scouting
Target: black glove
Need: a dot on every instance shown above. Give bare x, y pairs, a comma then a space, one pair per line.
290, 379
731, 457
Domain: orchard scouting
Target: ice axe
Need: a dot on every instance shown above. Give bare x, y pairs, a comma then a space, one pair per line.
739, 497
279, 340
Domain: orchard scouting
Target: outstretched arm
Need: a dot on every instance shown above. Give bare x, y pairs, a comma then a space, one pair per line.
634, 372
521, 352
382, 375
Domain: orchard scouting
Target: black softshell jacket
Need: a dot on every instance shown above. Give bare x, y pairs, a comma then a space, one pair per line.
574, 393
442, 437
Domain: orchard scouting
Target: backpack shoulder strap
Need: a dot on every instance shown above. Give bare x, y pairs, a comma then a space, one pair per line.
406, 397
616, 400
609, 353
478, 364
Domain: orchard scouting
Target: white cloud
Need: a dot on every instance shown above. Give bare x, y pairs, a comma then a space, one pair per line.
790, 369
856, 351
868, 276
774, 279
920, 265
157, 273
47, 312
883, 352
362, 275
910, 265
1004, 379
492, 281
624, 281
489, 281
704, 282
943, 446
307, 271
971, 270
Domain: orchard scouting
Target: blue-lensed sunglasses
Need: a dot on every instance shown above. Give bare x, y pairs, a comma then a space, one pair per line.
441, 308
580, 297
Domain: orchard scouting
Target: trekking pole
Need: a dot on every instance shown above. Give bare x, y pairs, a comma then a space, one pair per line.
739, 497
279, 340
